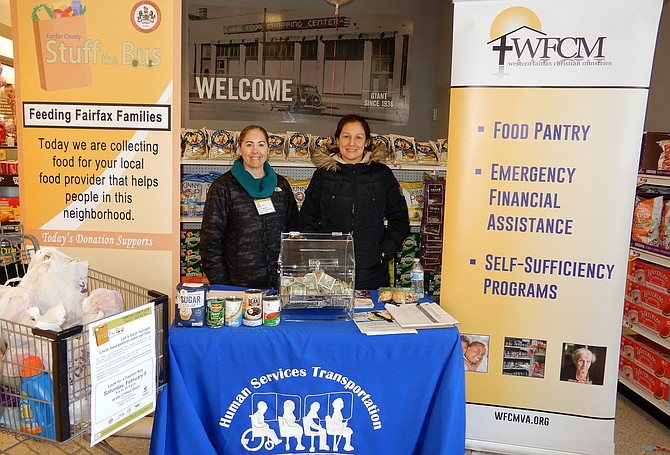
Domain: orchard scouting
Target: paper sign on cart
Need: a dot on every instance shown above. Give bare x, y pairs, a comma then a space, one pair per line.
123, 370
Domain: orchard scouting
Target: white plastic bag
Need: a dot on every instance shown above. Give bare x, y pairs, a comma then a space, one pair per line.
14, 302
57, 279
101, 303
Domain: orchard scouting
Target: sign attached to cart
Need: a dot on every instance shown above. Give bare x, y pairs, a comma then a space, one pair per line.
123, 370
98, 155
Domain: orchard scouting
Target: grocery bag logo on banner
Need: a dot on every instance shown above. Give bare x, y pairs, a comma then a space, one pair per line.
518, 42
320, 420
64, 54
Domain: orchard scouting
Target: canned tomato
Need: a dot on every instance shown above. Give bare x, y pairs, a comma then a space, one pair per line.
271, 309
233, 311
215, 312
253, 308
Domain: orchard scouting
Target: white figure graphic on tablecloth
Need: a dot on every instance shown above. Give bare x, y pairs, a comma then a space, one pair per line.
289, 426
259, 427
312, 425
336, 425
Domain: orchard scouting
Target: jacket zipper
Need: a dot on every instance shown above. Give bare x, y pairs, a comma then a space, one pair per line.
354, 183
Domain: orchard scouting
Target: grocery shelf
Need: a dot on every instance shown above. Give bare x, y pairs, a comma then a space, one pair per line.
653, 179
409, 167
650, 254
665, 342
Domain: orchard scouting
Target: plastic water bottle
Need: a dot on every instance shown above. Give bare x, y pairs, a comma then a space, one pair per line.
36, 416
417, 279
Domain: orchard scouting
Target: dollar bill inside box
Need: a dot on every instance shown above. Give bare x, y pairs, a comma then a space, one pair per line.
316, 276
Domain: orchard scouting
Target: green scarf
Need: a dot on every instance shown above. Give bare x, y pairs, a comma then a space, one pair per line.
257, 188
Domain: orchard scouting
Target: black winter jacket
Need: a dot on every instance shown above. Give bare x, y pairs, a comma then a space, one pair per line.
356, 198
239, 247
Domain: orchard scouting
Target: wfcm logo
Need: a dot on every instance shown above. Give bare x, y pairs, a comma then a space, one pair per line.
516, 33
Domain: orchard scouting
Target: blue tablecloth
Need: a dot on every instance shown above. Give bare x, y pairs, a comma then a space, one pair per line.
306, 386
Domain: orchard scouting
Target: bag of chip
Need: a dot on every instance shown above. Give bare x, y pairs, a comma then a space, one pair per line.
403, 149
298, 146
647, 220
413, 192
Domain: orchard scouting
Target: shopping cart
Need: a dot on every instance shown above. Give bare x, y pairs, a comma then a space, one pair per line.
64, 354
16, 250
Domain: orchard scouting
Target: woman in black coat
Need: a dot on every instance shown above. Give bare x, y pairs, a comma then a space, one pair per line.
246, 211
353, 191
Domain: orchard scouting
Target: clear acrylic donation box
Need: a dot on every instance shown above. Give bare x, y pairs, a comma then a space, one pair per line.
316, 276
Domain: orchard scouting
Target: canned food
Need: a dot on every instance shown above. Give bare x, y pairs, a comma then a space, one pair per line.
271, 310
233, 311
253, 308
215, 312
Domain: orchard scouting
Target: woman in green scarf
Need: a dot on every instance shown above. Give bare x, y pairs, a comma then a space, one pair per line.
246, 211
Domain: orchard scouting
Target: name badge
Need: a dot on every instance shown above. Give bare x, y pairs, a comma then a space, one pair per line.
264, 206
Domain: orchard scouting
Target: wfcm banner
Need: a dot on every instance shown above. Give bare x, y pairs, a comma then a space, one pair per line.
98, 116
547, 108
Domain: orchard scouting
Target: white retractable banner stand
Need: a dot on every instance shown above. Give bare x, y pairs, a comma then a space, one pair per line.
547, 110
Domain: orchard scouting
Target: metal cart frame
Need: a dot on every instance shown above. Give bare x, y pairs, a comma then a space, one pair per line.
65, 353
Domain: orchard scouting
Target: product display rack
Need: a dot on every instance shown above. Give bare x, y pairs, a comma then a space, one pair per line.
301, 170
658, 409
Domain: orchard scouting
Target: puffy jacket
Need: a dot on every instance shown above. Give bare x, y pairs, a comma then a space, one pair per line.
239, 247
356, 198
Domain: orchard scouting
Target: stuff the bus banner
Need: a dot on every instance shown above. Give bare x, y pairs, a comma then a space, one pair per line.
98, 123
547, 109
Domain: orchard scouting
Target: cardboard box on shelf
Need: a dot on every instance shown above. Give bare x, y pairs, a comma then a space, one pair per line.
647, 354
652, 320
649, 297
649, 274
641, 377
9, 209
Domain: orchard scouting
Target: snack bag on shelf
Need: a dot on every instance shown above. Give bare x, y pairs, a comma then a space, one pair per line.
426, 153
298, 146
664, 158
664, 229
298, 187
222, 144
321, 143
383, 142
647, 220
276, 147
442, 150
413, 192
403, 149
194, 144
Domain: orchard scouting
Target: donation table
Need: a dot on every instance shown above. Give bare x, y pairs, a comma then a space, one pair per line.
311, 387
